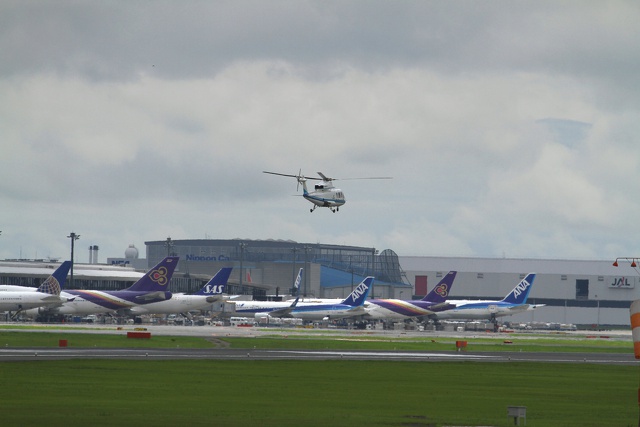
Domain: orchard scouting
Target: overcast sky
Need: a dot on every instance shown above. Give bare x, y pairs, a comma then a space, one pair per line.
510, 128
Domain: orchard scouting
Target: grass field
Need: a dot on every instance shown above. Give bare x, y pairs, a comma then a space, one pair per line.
310, 393
301, 393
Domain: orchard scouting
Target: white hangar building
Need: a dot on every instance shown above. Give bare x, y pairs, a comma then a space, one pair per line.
578, 292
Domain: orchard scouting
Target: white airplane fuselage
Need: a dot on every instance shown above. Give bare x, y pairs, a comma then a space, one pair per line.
179, 303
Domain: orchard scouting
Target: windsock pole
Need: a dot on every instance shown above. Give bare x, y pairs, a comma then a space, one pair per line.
634, 310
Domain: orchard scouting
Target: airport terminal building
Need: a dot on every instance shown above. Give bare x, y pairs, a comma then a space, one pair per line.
577, 292
574, 291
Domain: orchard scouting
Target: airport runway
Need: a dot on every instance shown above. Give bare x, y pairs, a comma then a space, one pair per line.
21, 354
13, 354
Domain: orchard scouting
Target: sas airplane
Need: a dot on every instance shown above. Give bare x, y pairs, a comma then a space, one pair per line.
20, 298
152, 287
435, 301
181, 303
515, 302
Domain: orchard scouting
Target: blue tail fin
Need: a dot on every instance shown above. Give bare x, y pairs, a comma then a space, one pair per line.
296, 284
520, 293
158, 278
216, 285
441, 291
54, 283
360, 293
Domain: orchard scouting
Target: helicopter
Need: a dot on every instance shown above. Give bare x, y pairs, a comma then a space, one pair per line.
324, 194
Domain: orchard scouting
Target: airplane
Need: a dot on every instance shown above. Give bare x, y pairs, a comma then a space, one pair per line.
515, 302
434, 301
180, 303
254, 307
21, 298
324, 194
352, 306
152, 287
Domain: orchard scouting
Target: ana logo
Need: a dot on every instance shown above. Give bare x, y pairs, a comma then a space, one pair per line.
441, 290
159, 276
214, 289
359, 291
522, 286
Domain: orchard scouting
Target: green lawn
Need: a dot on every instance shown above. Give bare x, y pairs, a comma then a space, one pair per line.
316, 393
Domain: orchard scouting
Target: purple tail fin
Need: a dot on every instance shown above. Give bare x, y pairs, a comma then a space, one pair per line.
441, 291
54, 283
156, 279
216, 285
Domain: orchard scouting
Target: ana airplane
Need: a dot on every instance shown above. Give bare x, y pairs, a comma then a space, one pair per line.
19, 298
254, 307
352, 306
324, 194
435, 301
515, 302
181, 303
152, 287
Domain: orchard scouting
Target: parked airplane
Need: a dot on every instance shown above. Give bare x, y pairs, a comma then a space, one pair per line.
515, 302
253, 307
435, 301
152, 287
352, 306
181, 303
19, 298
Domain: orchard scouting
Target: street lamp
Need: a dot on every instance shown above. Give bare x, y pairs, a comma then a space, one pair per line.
169, 245
73, 236
242, 245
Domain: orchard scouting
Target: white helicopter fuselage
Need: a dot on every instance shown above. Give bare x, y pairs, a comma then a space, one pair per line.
324, 195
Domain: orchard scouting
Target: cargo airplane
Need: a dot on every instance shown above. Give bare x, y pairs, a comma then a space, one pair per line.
20, 298
182, 303
152, 287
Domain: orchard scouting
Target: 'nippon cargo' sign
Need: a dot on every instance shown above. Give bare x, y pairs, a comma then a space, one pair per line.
191, 257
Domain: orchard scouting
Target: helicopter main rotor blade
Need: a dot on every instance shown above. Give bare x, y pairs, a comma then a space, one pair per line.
292, 176
367, 177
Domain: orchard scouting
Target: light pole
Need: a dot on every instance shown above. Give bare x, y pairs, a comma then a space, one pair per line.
73, 236
242, 246
306, 269
169, 245
293, 268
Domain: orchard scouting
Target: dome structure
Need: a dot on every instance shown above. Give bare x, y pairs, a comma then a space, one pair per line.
131, 252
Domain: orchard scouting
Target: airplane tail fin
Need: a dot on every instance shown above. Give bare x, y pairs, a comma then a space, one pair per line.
441, 291
520, 293
216, 285
157, 278
360, 293
296, 284
54, 283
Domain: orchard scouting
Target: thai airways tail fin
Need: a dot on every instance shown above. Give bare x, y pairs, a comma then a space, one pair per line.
360, 293
157, 278
441, 291
520, 293
54, 283
216, 285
